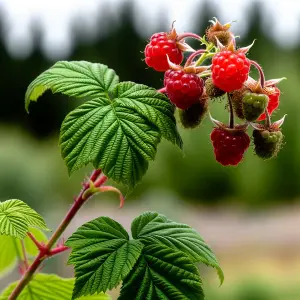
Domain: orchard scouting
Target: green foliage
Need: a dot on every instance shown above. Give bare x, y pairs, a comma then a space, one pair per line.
159, 263
162, 273
151, 228
76, 78
11, 249
16, 217
102, 255
48, 287
118, 129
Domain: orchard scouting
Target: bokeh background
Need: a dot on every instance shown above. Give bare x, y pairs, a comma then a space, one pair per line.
249, 214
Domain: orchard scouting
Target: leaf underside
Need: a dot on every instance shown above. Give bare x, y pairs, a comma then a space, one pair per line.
48, 287
16, 217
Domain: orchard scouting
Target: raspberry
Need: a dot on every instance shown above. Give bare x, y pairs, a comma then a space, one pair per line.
159, 47
193, 116
229, 146
267, 143
183, 89
230, 70
273, 103
254, 105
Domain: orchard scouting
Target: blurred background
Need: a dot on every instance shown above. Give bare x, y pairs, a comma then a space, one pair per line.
249, 215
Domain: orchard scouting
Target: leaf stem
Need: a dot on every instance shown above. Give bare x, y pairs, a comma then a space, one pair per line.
34, 240
24, 255
44, 252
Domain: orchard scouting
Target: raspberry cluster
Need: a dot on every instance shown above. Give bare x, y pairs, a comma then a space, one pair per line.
219, 70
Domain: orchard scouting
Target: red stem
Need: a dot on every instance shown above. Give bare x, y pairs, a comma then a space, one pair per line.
162, 90
260, 71
37, 243
25, 255
58, 250
193, 55
43, 253
188, 35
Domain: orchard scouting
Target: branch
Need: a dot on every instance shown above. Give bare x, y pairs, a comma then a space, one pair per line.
46, 250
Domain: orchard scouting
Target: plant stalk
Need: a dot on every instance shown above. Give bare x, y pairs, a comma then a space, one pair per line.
79, 201
231, 112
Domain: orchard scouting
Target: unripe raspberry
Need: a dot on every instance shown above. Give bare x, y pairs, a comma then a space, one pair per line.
267, 143
183, 89
230, 70
254, 105
211, 90
193, 116
237, 101
161, 44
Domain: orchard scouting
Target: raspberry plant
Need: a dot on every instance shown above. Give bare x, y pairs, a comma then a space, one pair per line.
117, 130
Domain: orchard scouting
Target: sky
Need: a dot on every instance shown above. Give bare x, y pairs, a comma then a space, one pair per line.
281, 19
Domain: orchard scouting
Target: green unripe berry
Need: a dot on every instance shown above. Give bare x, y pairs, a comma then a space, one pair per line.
254, 105
267, 144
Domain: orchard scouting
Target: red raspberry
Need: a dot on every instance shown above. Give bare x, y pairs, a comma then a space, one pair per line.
183, 89
272, 104
229, 147
230, 70
157, 50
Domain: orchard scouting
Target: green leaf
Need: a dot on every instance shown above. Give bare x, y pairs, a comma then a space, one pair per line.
162, 273
48, 287
118, 132
152, 228
102, 256
74, 78
11, 249
8, 256
16, 217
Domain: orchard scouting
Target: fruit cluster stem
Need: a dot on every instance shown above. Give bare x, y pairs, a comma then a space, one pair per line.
44, 251
231, 112
260, 71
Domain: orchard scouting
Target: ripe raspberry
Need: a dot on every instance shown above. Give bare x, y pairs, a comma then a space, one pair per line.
267, 143
254, 105
159, 47
229, 146
273, 103
193, 116
230, 70
183, 89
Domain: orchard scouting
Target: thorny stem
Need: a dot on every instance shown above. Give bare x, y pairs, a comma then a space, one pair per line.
31, 236
43, 253
261, 73
231, 113
188, 35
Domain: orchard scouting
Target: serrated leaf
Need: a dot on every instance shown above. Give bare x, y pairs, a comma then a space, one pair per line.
48, 287
151, 228
118, 132
162, 273
16, 217
102, 256
73, 78
11, 249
